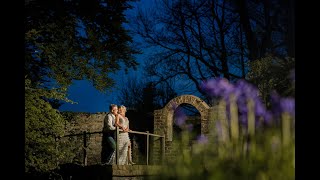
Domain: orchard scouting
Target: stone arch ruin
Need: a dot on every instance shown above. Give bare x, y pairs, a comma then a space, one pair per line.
163, 120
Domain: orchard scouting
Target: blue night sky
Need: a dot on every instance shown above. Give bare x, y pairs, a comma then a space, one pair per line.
91, 100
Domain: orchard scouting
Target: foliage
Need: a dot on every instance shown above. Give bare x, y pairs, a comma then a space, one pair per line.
43, 126
67, 40
72, 147
266, 152
271, 73
268, 161
69, 115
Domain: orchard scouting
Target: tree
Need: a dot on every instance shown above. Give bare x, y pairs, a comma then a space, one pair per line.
130, 94
192, 38
144, 95
273, 74
65, 41
77, 39
268, 26
43, 126
198, 40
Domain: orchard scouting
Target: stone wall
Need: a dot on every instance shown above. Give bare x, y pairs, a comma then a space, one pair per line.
90, 123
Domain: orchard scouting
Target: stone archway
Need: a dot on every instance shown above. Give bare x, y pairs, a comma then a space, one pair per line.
163, 122
163, 118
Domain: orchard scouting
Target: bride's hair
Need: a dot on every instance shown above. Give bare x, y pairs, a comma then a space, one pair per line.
123, 108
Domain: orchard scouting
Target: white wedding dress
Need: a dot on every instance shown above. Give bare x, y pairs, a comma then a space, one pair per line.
124, 142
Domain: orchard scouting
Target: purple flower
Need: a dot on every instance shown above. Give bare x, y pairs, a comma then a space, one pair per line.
247, 89
202, 139
243, 91
288, 105
209, 87
180, 117
218, 87
242, 104
226, 87
250, 91
243, 119
267, 117
259, 108
280, 105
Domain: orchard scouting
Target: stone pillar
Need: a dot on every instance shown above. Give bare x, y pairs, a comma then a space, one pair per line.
159, 128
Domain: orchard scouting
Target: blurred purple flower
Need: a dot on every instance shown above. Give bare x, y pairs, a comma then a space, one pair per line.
246, 89
243, 119
267, 117
223, 88
261, 111
242, 104
288, 105
209, 87
202, 139
218, 87
280, 105
180, 117
226, 87
242, 91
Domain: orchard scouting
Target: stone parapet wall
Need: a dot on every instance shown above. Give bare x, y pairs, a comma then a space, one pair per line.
83, 122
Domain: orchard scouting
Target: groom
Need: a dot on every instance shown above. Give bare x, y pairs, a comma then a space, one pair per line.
108, 137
